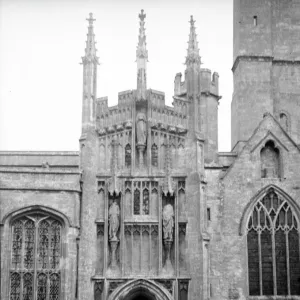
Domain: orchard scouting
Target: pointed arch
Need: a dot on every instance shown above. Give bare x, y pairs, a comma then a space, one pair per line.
273, 245
12, 215
145, 287
35, 236
249, 207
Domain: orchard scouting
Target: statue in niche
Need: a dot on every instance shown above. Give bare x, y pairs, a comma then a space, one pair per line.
113, 218
168, 222
141, 128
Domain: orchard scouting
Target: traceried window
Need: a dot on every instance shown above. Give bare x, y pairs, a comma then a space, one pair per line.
141, 198
128, 156
273, 248
35, 258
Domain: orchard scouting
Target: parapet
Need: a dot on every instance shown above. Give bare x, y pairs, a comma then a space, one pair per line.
209, 84
101, 105
179, 86
157, 98
125, 98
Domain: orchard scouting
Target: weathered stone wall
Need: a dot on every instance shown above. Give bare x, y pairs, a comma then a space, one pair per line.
229, 199
252, 97
266, 64
28, 183
286, 78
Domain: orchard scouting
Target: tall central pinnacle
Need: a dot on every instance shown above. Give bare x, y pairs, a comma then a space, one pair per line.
90, 49
193, 56
141, 59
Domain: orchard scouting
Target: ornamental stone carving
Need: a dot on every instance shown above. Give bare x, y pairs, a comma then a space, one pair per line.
168, 222
141, 129
114, 223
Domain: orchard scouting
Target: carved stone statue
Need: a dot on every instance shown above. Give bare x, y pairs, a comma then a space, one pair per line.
141, 129
114, 223
168, 222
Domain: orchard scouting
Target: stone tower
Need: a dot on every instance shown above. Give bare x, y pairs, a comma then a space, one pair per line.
266, 67
143, 182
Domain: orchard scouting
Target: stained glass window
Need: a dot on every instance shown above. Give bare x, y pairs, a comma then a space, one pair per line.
273, 248
36, 252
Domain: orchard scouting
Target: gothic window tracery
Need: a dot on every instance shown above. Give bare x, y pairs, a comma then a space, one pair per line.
35, 258
141, 198
273, 248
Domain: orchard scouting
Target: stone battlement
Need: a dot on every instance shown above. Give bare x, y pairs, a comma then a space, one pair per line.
209, 83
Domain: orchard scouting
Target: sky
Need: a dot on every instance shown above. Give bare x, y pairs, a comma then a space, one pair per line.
42, 42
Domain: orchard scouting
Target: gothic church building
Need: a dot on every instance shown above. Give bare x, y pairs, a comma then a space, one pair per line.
148, 208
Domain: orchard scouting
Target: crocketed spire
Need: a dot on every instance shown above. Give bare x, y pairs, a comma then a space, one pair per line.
141, 59
90, 49
193, 56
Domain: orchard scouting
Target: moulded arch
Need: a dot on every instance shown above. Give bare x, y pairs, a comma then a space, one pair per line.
250, 206
147, 288
37, 208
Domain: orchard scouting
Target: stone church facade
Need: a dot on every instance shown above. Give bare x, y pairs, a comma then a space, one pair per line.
148, 208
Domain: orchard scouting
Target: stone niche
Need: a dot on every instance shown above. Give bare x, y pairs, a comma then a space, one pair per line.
114, 221
168, 228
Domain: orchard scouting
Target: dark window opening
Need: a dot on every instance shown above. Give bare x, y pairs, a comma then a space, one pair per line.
208, 214
255, 20
273, 248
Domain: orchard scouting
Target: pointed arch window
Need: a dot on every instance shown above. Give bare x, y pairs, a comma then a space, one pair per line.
154, 155
35, 258
128, 156
270, 161
273, 248
283, 119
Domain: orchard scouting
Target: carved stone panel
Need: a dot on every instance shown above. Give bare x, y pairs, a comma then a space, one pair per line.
100, 249
142, 249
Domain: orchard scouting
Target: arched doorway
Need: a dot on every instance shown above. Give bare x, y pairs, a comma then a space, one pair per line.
141, 289
140, 294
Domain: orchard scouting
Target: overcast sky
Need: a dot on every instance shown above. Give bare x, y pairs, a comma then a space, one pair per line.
42, 42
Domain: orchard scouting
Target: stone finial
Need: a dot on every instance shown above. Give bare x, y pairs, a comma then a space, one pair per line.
142, 16
91, 20
192, 21
141, 59
193, 50
90, 49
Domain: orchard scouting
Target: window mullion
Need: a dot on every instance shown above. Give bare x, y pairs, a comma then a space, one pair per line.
35, 261
21, 283
274, 261
22, 261
260, 263
48, 262
23, 246
287, 262
141, 197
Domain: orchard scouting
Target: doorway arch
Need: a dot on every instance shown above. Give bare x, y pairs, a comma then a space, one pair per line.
140, 289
